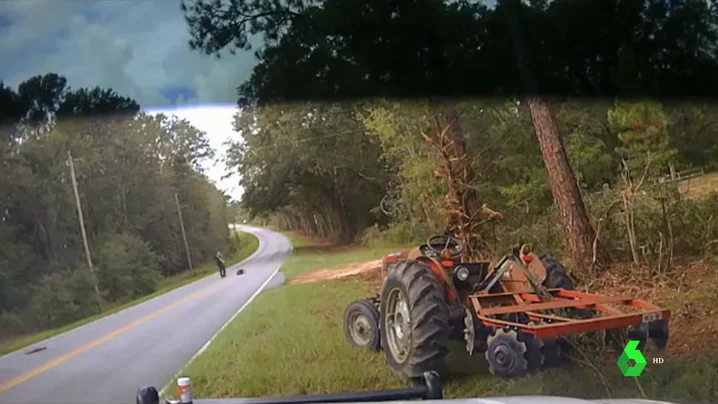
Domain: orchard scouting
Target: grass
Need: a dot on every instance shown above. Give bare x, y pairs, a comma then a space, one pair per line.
309, 255
290, 341
248, 242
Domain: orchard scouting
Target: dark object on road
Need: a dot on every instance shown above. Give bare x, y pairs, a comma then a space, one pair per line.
518, 313
240, 271
32, 351
148, 395
428, 387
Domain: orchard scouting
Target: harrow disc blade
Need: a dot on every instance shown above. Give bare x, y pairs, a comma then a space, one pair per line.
505, 354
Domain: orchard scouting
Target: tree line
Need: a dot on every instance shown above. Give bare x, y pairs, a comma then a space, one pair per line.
130, 166
343, 118
332, 170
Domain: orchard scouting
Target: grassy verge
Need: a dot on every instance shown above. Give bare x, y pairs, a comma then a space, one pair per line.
309, 256
248, 244
290, 341
700, 187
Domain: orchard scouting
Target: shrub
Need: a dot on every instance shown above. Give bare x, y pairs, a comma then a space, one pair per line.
541, 231
10, 324
663, 218
63, 298
128, 268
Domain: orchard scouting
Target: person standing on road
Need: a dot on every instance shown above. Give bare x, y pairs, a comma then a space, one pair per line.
220, 263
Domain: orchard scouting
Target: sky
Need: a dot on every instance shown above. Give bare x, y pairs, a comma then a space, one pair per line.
136, 47
216, 121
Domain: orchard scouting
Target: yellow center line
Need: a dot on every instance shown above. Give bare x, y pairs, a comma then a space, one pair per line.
64, 358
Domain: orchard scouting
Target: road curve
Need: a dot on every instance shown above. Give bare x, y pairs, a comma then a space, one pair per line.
107, 360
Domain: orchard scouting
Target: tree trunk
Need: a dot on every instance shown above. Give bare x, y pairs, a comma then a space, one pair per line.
631, 230
578, 232
464, 210
577, 229
346, 226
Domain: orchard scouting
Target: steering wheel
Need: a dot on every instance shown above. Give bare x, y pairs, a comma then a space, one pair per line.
437, 244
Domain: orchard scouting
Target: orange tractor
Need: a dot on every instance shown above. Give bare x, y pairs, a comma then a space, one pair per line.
518, 312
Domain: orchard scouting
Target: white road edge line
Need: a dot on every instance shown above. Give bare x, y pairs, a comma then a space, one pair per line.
206, 345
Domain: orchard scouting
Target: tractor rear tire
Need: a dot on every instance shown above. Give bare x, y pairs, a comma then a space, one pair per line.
361, 325
556, 276
414, 321
560, 349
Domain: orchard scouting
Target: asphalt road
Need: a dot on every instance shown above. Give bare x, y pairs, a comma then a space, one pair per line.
107, 360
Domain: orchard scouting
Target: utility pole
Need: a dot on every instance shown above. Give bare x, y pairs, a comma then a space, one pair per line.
184, 235
82, 222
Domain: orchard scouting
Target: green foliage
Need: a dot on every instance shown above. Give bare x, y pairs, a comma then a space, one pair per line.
589, 160
405, 232
335, 48
321, 50
694, 224
127, 268
129, 167
238, 212
310, 165
692, 127
589, 142
528, 194
417, 194
63, 298
512, 180
642, 130
665, 219
11, 322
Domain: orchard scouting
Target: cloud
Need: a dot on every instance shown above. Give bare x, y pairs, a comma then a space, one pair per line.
138, 48
178, 94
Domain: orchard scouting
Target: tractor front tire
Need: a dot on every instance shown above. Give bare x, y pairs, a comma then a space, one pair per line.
559, 349
414, 321
361, 325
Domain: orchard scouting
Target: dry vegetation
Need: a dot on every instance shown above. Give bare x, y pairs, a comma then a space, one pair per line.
699, 187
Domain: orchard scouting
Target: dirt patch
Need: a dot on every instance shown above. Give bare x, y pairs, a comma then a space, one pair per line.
700, 187
351, 270
373, 280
